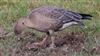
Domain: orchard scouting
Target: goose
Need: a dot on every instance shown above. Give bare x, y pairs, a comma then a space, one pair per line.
49, 19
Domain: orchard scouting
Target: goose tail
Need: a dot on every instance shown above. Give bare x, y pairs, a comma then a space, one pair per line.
86, 16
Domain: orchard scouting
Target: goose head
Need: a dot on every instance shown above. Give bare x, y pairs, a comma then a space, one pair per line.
22, 24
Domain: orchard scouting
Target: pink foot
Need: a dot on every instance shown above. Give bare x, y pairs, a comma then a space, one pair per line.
41, 44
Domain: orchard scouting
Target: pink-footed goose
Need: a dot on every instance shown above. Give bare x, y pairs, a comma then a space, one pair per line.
49, 20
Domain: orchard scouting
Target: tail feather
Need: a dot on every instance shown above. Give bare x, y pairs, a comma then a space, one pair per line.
86, 16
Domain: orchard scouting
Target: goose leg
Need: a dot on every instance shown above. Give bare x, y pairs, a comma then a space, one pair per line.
52, 45
41, 44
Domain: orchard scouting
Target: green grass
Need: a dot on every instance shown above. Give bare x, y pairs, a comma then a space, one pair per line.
12, 10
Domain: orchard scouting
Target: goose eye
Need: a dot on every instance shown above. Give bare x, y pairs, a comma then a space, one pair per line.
23, 23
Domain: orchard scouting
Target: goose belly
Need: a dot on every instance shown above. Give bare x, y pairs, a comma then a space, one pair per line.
67, 25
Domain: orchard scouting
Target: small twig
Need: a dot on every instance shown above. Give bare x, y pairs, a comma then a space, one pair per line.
6, 34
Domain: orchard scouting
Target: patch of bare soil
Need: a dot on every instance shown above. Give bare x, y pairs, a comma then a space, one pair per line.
66, 44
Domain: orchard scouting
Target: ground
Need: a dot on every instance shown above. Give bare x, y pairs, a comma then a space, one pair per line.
72, 41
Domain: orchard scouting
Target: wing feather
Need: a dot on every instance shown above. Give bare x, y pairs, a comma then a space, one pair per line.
57, 13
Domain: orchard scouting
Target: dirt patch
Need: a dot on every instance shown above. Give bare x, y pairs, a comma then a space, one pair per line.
66, 42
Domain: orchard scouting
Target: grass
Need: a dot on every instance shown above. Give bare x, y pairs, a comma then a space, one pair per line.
12, 10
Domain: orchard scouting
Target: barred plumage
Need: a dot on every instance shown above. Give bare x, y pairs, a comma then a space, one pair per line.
57, 13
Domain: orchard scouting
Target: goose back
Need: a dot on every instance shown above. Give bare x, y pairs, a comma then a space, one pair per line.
57, 13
